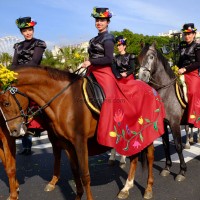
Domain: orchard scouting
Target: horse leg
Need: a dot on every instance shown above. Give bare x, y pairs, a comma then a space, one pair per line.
71, 153
187, 143
179, 148
150, 157
57, 148
124, 193
9, 149
56, 171
198, 136
82, 155
191, 139
166, 146
122, 162
111, 160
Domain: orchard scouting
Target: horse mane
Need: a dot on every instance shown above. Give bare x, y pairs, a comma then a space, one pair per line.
166, 65
54, 73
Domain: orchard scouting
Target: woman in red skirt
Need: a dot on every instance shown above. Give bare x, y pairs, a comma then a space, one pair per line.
132, 113
189, 64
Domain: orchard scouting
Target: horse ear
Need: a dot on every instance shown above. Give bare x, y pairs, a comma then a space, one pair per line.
154, 45
142, 44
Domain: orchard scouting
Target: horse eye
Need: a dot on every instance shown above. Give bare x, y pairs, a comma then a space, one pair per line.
151, 57
6, 104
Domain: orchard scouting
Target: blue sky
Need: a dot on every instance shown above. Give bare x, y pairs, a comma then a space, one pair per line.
64, 22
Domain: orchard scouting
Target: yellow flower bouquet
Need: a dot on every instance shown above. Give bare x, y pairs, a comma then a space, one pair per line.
7, 77
175, 70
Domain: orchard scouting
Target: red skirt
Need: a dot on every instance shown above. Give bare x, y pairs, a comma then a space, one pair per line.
36, 122
132, 114
192, 80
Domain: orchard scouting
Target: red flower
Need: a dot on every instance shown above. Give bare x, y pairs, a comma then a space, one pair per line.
119, 115
106, 14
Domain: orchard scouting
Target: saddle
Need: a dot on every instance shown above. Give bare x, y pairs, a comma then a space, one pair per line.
181, 91
93, 93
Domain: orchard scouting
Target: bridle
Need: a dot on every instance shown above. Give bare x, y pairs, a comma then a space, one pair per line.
13, 91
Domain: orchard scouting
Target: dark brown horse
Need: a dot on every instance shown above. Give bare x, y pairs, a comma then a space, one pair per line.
7, 155
72, 125
156, 71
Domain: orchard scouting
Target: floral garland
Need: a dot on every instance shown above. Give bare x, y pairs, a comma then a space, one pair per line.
7, 77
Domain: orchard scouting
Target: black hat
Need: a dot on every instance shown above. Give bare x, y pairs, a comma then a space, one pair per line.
120, 40
188, 28
25, 22
101, 13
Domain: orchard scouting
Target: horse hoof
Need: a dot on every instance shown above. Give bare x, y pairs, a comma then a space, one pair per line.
123, 194
165, 172
187, 146
12, 198
122, 165
49, 188
111, 162
198, 141
148, 195
180, 178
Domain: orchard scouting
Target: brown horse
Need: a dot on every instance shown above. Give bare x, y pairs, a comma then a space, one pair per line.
72, 125
7, 155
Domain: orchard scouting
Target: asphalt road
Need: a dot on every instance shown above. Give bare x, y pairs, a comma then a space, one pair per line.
34, 172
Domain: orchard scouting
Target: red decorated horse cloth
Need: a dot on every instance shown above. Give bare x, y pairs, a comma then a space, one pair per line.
192, 80
34, 123
132, 114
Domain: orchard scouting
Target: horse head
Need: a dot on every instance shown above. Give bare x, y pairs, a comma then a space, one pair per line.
13, 106
147, 59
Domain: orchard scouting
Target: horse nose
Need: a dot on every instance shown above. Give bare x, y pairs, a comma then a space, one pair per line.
20, 131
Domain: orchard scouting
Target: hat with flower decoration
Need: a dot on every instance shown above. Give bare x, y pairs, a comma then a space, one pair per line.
101, 13
120, 40
25, 22
188, 28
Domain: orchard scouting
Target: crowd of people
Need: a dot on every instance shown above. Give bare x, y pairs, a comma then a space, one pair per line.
122, 118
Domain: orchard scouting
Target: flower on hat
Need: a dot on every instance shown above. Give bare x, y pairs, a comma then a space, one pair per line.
106, 14
25, 24
7, 77
121, 41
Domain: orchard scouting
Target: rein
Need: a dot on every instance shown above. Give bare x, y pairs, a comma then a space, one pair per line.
14, 90
162, 86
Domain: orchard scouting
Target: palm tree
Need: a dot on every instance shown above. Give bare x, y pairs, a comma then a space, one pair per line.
5, 59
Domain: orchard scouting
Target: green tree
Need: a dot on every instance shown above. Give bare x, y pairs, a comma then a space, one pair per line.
5, 59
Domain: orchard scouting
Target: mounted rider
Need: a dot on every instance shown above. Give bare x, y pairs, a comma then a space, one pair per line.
29, 52
189, 65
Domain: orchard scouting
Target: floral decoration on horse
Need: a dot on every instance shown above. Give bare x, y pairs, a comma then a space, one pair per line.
7, 77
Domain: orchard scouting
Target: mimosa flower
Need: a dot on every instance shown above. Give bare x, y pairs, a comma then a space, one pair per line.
7, 77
